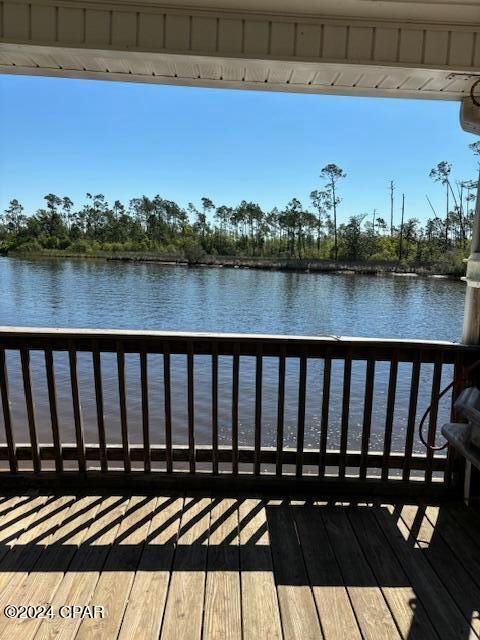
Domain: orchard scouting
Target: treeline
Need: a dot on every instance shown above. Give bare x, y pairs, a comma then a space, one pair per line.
161, 226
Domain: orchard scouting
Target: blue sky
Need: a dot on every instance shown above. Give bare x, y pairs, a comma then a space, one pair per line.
124, 140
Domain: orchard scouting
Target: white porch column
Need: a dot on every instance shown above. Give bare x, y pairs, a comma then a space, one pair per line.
471, 320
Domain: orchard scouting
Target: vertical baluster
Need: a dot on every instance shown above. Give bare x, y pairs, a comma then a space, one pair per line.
147, 462
7, 418
97, 376
457, 388
327, 371
27, 387
215, 407
258, 409
235, 384
367, 417
77, 411
347, 377
432, 424
280, 409
52, 401
168, 406
191, 408
302, 390
411, 419
387, 443
123, 406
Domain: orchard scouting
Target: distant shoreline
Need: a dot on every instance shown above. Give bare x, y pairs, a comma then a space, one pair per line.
237, 262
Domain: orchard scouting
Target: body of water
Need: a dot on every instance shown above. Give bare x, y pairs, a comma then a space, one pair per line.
99, 294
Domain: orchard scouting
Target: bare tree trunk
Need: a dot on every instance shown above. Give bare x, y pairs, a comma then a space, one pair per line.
401, 229
334, 221
392, 187
446, 216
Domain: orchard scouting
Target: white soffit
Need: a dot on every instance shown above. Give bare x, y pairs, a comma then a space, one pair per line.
329, 78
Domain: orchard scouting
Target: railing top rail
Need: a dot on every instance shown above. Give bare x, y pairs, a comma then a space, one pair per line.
126, 334
109, 340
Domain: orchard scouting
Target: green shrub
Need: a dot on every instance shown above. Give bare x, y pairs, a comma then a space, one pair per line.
450, 262
80, 246
194, 253
29, 246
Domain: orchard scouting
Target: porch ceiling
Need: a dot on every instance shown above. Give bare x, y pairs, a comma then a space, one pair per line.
399, 48
466, 11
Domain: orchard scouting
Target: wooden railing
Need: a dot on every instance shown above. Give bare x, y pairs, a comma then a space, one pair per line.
366, 395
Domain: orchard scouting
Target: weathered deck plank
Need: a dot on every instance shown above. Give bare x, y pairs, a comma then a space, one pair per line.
371, 610
222, 619
297, 606
459, 539
38, 534
467, 518
185, 601
16, 515
455, 578
260, 613
39, 586
331, 597
144, 613
444, 614
116, 579
406, 609
82, 576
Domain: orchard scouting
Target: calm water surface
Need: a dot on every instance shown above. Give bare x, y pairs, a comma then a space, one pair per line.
98, 294
87, 293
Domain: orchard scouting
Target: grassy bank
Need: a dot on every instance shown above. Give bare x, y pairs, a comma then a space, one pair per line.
268, 263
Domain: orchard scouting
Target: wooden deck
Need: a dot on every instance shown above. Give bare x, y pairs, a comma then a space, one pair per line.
196, 566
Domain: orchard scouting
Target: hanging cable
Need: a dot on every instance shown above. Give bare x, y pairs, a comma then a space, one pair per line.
463, 378
475, 101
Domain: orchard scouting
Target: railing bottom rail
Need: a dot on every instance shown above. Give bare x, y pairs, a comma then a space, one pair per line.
117, 482
225, 455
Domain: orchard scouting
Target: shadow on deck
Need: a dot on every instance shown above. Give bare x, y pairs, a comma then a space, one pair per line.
176, 566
